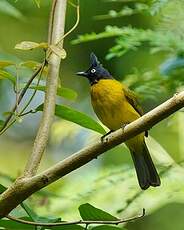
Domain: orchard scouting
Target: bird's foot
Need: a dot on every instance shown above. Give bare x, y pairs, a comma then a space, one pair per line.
146, 133
104, 138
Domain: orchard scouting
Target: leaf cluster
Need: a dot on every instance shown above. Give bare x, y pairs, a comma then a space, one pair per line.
87, 213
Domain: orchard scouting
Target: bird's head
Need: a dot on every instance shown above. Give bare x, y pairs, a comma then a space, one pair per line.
96, 71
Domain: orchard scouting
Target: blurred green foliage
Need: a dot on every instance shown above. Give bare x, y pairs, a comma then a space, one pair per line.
143, 45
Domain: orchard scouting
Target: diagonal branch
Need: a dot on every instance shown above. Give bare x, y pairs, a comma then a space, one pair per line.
56, 31
24, 187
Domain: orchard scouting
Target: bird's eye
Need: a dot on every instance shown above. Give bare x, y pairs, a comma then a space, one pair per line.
93, 70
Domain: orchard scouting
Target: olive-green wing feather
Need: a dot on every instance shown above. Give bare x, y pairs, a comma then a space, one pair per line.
132, 99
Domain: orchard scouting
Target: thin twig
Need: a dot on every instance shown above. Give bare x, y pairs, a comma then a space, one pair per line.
85, 222
17, 87
75, 25
21, 95
34, 92
9, 124
28, 112
73, 4
69, 32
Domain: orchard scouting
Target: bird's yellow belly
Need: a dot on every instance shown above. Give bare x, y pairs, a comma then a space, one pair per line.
112, 108
111, 115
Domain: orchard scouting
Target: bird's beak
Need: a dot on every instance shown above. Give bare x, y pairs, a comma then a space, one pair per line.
82, 73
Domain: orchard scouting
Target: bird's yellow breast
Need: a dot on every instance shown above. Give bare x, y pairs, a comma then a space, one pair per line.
110, 104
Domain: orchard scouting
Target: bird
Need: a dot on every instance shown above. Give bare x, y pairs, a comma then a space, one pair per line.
116, 106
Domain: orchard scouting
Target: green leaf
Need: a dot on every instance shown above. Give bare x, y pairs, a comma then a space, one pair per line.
77, 117
5, 75
7, 113
67, 93
7, 8
2, 188
29, 45
30, 212
1, 123
110, 31
34, 217
157, 6
30, 64
61, 91
68, 227
130, 38
48, 219
37, 3
126, 11
12, 225
4, 64
107, 227
89, 212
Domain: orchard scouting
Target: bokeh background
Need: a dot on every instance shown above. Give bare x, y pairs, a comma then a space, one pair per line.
109, 182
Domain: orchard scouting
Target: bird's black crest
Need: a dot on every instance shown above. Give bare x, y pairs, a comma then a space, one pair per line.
96, 71
94, 60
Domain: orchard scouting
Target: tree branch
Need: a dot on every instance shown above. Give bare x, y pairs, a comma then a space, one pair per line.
86, 222
56, 31
24, 187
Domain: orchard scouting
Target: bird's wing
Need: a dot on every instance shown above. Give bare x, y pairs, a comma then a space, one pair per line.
132, 99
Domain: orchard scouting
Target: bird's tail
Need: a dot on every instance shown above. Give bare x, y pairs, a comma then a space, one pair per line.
146, 172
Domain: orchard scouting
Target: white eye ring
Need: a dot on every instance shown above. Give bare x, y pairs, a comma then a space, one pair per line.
93, 70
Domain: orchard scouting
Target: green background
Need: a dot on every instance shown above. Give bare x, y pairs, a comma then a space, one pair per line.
110, 181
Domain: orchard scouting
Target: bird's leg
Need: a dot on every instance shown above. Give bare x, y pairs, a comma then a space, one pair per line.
103, 140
